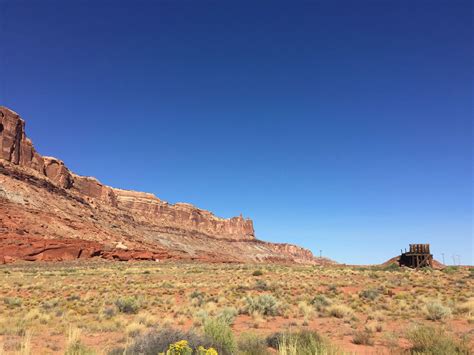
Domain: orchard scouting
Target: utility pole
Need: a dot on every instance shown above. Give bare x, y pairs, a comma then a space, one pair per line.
320, 254
459, 259
443, 258
454, 260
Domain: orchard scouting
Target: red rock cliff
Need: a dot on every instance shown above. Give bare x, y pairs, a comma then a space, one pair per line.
16, 148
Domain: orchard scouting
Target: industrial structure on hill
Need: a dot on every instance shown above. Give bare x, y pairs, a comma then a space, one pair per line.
417, 257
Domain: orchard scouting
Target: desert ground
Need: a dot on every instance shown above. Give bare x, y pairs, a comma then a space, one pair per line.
102, 307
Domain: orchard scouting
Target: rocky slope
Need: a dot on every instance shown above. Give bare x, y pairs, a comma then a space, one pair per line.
49, 213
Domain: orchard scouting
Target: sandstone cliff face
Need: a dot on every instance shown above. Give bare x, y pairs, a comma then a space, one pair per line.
15, 147
293, 250
18, 149
41, 198
184, 216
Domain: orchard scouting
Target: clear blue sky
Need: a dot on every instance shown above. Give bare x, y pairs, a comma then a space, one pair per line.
344, 126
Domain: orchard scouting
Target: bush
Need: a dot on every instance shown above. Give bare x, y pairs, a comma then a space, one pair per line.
305, 310
363, 338
203, 351
426, 269
197, 298
391, 267
13, 301
197, 294
320, 302
182, 348
78, 349
266, 305
74, 345
257, 273
304, 343
450, 269
466, 307
135, 329
369, 294
128, 304
436, 311
261, 285
430, 340
227, 315
221, 335
159, 341
73, 298
340, 311
179, 348
274, 339
200, 317
252, 344
109, 312
49, 304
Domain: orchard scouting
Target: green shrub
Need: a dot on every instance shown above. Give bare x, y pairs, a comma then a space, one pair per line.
340, 311
197, 297
274, 339
431, 340
221, 335
48, 305
252, 344
320, 302
13, 301
74, 345
201, 316
78, 349
304, 343
128, 304
369, 294
266, 305
201, 350
390, 267
159, 340
109, 312
73, 298
196, 294
257, 273
450, 269
436, 311
227, 315
261, 285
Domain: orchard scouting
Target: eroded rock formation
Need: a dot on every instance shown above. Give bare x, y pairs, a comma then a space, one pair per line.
41, 249
15, 146
42, 200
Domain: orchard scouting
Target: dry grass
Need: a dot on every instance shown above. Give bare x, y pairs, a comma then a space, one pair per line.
113, 304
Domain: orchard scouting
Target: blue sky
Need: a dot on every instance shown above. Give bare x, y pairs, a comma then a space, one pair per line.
344, 126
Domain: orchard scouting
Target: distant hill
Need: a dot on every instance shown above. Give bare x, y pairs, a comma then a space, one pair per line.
395, 259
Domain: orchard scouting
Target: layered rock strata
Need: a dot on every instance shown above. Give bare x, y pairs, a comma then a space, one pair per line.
42, 200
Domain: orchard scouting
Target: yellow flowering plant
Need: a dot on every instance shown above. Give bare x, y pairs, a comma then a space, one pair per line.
179, 348
182, 348
203, 351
